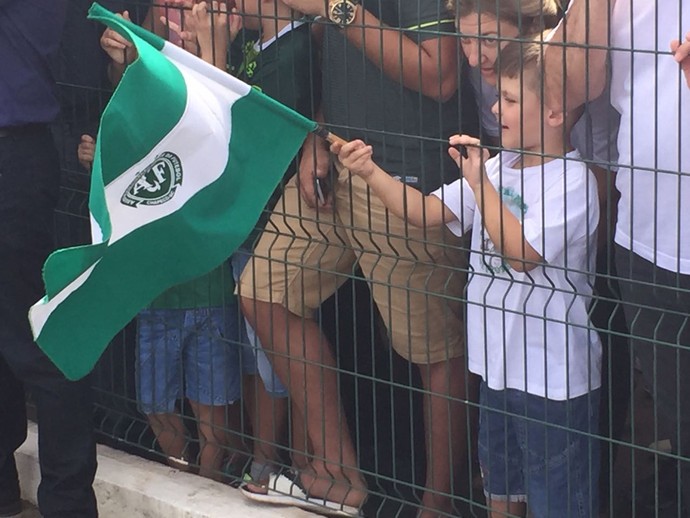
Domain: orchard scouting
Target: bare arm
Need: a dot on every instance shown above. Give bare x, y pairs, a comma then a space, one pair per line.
503, 227
575, 72
402, 200
429, 68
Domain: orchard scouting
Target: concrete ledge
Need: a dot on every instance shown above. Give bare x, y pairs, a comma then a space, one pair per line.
130, 487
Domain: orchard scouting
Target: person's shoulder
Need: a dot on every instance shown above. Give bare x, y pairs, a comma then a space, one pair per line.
575, 168
571, 178
298, 34
571, 165
294, 45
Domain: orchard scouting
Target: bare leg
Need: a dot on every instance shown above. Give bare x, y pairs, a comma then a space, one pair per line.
501, 509
212, 424
269, 418
234, 438
171, 436
446, 429
301, 449
269, 425
250, 402
304, 361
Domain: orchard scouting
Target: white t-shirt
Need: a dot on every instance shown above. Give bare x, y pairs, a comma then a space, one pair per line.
531, 331
650, 92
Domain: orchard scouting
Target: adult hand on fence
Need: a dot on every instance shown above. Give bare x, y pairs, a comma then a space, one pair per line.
681, 53
235, 23
119, 49
216, 19
179, 21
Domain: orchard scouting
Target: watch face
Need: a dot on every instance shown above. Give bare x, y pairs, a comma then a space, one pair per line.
343, 12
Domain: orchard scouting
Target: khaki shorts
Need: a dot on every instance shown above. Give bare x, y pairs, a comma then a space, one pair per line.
417, 276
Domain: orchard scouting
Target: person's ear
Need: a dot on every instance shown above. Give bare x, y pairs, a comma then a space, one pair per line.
554, 118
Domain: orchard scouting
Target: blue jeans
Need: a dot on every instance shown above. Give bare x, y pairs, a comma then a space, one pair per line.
29, 186
269, 378
194, 347
540, 451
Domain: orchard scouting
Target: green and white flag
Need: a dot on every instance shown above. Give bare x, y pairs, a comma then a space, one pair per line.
186, 159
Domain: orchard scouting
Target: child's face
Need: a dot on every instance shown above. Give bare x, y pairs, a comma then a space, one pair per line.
482, 37
521, 115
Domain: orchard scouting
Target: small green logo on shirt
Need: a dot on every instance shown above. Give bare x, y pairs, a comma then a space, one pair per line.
157, 183
513, 200
250, 54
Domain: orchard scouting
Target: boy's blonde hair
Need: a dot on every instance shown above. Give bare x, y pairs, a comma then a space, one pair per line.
523, 59
529, 16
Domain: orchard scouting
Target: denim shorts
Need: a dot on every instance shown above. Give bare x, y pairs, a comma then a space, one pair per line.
191, 348
251, 342
540, 451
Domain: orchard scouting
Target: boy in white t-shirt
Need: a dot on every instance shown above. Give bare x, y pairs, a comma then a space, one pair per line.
534, 215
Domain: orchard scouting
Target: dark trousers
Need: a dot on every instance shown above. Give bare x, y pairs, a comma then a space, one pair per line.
29, 185
657, 309
609, 319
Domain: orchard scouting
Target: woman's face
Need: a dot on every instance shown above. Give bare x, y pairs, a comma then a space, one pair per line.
482, 36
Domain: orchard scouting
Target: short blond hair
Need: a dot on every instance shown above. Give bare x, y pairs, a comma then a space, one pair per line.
529, 16
523, 59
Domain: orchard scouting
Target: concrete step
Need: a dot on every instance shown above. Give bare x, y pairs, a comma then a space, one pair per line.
130, 487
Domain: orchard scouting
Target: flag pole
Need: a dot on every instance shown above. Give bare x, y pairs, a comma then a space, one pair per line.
322, 132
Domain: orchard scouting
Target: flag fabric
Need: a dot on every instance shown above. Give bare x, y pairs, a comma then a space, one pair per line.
186, 159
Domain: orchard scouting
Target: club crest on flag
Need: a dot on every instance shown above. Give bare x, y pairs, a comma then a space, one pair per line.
157, 183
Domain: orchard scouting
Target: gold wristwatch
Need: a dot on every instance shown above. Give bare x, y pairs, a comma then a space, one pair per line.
342, 12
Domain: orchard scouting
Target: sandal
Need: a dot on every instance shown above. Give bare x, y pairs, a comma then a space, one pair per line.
285, 489
281, 489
